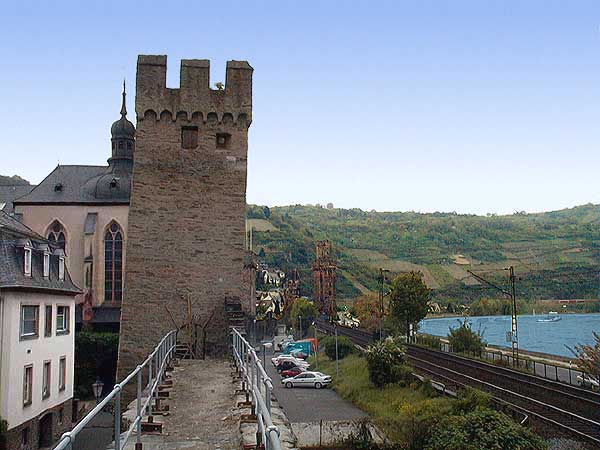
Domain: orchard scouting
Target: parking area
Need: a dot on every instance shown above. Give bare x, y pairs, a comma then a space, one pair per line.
303, 405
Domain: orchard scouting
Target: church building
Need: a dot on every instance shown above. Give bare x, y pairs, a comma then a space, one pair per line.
84, 210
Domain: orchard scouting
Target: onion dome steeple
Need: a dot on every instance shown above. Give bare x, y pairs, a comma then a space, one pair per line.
114, 183
122, 135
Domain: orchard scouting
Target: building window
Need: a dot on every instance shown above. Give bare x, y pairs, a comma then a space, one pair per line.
121, 145
113, 263
57, 234
46, 379
29, 321
62, 319
27, 384
61, 415
27, 261
61, 268
48, 321
189, 137
223, 140
46, 264
62, 373
129, 145
25, 437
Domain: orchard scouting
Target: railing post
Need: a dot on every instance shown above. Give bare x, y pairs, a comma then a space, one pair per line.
150, 374
117, 408
138, 441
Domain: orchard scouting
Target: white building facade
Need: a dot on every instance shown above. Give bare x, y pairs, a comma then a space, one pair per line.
37, 336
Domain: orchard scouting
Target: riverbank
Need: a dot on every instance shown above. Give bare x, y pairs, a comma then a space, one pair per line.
546, 340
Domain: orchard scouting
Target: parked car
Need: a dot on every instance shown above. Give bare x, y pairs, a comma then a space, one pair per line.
316, 380
292, 372
279, 359
287, 365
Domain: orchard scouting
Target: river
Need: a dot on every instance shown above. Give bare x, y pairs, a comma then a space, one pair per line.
544, 337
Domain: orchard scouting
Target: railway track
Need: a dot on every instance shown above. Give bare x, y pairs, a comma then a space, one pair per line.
571, 410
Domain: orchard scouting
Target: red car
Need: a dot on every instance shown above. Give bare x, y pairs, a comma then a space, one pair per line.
292, 372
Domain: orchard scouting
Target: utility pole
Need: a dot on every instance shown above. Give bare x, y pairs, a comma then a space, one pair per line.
513, 297
513, 294
381, 296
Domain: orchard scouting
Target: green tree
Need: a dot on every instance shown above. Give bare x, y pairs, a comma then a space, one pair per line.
483, 429
408, 300
385, 361
464, 340
303, 313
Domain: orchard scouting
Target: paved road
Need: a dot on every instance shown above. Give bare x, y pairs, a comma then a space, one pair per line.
302, 405
98, 434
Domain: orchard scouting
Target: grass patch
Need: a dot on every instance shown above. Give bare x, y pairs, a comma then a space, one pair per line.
391, 408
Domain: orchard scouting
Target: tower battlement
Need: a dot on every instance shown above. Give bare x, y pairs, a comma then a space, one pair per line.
194, 97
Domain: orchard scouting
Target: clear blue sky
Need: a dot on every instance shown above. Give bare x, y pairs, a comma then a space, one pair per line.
469, 106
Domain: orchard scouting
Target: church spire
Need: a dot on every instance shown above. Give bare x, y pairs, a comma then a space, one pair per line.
123, 107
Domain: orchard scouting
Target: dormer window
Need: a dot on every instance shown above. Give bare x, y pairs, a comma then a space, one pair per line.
114, 183
61, 268
46, 264
27, 261
58, 187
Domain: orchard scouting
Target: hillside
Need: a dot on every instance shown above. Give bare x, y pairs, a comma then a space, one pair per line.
555, 253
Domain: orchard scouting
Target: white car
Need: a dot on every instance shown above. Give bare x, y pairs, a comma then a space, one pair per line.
297, 361
316, 380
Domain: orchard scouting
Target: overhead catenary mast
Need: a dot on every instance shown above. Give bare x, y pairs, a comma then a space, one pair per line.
513, 297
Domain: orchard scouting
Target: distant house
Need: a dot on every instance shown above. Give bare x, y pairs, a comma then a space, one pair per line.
10, 190
37, 312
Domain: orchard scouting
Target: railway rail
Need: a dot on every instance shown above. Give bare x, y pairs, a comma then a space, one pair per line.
571, 410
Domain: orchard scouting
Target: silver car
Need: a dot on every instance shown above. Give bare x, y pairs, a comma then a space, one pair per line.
315, 380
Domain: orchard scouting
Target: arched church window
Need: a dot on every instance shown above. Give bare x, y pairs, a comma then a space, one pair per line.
56, 234
113, 263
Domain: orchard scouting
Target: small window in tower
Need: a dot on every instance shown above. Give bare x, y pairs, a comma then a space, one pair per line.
223, 140
114, 145
121, 145
129, 145
189, 137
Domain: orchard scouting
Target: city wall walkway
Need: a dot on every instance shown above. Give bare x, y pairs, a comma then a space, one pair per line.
203, 414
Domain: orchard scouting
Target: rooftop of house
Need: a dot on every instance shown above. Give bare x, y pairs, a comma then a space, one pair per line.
14, 239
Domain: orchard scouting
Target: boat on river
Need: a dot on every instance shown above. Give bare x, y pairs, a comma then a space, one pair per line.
551, 317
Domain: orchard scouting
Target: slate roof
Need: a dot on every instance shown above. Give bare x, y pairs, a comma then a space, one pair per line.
12, 232
10, 192
72, 181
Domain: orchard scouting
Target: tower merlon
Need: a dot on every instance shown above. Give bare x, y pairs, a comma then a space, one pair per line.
194, 94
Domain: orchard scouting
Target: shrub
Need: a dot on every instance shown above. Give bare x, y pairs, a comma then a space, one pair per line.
430, 341
483, 429
95, 356
464, 340
470, 399
345, 347
383, 361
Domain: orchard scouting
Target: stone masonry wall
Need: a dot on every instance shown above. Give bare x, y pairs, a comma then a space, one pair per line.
187, 215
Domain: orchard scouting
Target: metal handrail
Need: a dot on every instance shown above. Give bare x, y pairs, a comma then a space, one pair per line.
260, 385
156, 362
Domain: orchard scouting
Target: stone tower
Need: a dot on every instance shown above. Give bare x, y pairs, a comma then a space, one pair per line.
324, 270
188, 204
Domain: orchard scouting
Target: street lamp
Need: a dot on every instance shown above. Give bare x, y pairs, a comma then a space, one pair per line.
300, 325
265, 345
97, 387
316, 343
